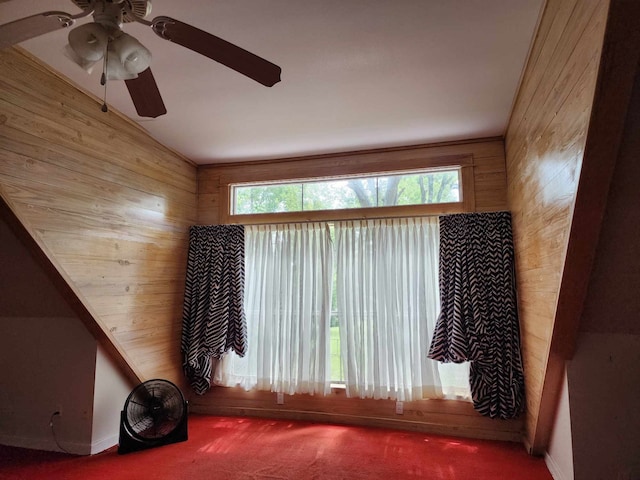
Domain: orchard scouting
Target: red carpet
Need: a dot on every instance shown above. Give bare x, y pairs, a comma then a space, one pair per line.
225, 448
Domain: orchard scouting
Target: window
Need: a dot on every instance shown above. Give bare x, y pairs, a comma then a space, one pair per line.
356, 305
425, 187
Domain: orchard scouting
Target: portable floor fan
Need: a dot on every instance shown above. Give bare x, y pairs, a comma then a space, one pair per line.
154, 414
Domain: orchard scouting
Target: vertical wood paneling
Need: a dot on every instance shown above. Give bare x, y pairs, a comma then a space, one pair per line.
108, 205
545, 144
487, 157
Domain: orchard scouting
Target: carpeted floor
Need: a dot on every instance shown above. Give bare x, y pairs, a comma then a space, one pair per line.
242, 448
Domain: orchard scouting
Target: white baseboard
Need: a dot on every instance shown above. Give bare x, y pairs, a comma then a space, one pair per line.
554, 469
104, 444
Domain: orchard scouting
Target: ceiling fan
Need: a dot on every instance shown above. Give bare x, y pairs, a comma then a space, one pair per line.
123, 57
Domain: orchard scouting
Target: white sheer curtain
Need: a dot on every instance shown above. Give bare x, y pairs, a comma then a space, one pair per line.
388, 303
288, 274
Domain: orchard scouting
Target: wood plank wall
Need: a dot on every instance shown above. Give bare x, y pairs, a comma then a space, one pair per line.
487, 156
108, 205
110, 209
545, 145
488, 183
443, 417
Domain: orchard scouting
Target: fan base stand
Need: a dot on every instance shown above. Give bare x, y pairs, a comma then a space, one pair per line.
128, 443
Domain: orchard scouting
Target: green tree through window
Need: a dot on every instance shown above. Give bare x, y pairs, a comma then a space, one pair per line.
420, 188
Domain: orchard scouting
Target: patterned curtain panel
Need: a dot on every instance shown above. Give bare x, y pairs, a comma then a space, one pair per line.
478, 320
213, 320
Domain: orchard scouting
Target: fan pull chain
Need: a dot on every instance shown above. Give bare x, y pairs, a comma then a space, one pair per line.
103, 78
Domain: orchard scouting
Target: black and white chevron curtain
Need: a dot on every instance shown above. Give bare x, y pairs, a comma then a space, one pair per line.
213, 320
478, 320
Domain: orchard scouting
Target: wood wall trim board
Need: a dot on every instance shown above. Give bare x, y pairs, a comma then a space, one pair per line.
348, 214
468, 181
552, 26
618, 68
82, 105
446, 417
530, 54
489, 166
74, 125
443, 427
619, 65
110, 206
557, 83
352, 163
557, 128
483, 177
57, 202
487, 146
545, 144
24, 152
336, 166
550, 9
90, 145
66, 242
63, 285
86, 175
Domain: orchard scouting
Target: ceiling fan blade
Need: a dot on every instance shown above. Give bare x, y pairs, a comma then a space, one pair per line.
30, 27
33, 26
145, 95
217, 49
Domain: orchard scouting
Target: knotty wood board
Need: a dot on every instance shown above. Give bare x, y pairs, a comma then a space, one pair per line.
108, 206
545, 145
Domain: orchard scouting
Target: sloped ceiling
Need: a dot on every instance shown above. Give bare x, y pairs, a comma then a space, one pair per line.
356, 74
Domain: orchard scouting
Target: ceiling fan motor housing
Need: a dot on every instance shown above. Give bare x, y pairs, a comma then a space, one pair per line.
140, 8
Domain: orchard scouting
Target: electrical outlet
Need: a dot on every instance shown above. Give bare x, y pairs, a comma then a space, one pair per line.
399, 408
280, 398
57, 412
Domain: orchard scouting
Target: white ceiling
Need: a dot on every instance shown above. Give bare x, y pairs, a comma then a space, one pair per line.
356, 74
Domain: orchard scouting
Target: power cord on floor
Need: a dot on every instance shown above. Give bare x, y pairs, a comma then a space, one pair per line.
53, 431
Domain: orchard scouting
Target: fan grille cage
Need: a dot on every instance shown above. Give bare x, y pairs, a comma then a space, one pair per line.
154, 409
140, 8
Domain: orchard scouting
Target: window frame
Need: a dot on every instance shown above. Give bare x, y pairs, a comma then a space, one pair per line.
462, 162
309, 182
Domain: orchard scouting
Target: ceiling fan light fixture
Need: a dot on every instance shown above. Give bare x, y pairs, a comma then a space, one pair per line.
115, 70
89, 41
86, 65
123, 57
133, 56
